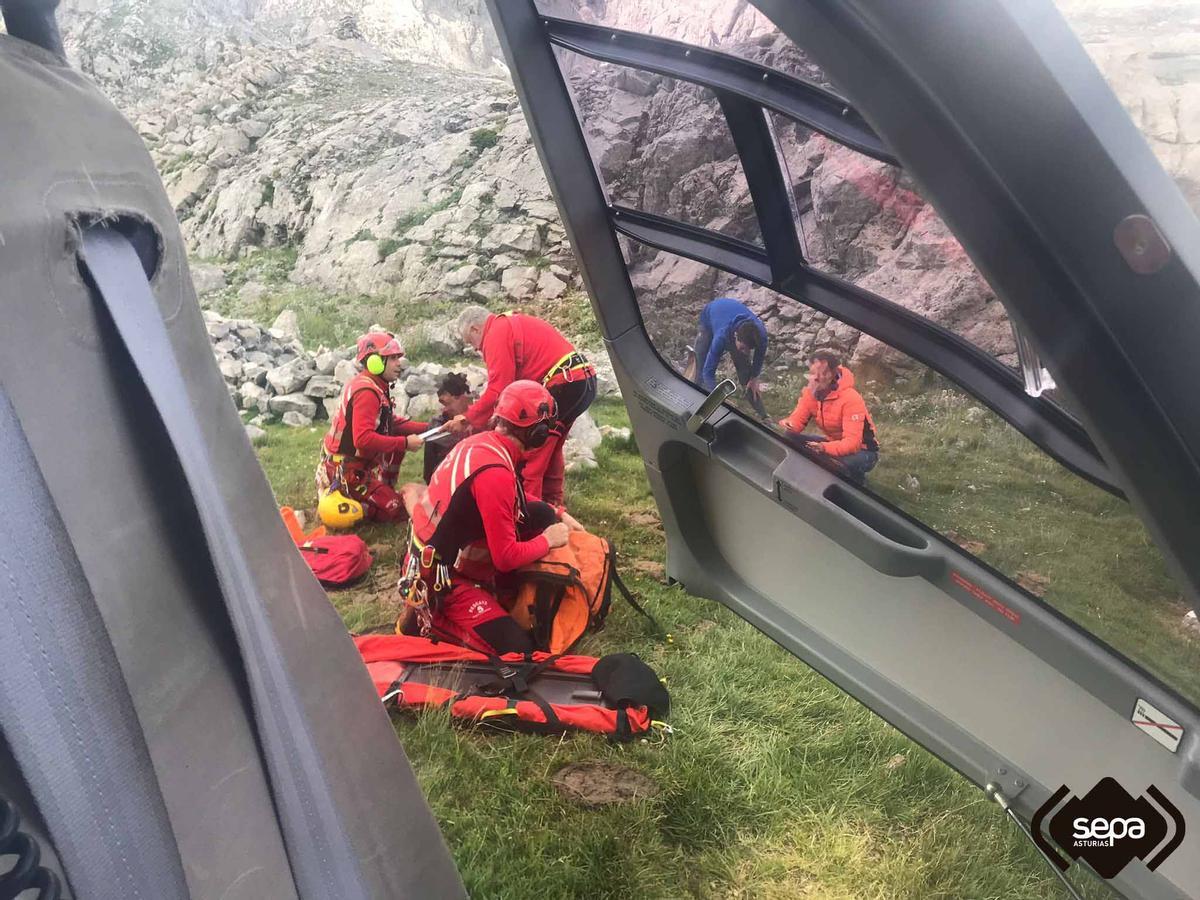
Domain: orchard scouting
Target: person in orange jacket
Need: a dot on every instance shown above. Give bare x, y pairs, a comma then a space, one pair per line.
516, 347
848, 434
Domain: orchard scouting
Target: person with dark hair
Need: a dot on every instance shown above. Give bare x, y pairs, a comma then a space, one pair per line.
455, 396
728, 326
847, 436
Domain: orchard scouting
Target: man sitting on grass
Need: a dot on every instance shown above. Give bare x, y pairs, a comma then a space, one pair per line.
847, 432
455, 396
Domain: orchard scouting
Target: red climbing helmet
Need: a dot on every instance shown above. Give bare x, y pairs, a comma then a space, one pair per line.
379, 342
525, 403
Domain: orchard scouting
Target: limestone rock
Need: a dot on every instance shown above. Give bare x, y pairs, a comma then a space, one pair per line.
252, 395
293, 403
257, 435
206, 278
287, 323
325, 362
519, 282
291, 377
344, 370
231, 369
551, 286
420, 383
579, 451
441, 337
321, 386
423, 407
295, 419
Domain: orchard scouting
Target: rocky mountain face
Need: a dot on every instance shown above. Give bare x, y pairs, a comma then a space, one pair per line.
383, 141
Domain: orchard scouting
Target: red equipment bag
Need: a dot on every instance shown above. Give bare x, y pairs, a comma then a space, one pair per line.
618, 695
336, 559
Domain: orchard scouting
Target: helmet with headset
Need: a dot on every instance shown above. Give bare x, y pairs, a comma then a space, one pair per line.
375, 347
527, 405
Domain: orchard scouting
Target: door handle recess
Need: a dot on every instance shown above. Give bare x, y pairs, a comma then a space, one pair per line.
884, 540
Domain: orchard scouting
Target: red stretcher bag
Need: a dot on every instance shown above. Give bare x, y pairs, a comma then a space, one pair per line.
618, 695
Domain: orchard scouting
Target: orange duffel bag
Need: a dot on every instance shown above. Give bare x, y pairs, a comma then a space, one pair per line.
568, 592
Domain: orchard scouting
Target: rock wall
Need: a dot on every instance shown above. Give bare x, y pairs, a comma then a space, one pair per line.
375, 137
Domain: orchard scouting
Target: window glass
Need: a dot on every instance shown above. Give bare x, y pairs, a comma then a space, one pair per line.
865, 221
736, 28
948, 461
661, 146
1149, 50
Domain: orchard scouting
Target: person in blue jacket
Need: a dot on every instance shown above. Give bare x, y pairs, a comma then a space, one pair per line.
728, 325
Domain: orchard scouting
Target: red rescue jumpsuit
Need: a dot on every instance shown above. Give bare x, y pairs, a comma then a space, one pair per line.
516, 347
470, 514
365, 445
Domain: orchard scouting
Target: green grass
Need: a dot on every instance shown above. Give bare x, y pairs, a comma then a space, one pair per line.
774, 785
1036, 523
483, 138
330, 319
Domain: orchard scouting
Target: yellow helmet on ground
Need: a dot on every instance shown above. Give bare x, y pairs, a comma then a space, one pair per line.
336, 510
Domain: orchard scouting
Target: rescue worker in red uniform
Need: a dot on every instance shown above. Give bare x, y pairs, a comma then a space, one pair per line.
515, 347
472, 524
366, 441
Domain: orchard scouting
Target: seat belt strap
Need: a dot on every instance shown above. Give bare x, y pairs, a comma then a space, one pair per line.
319, 852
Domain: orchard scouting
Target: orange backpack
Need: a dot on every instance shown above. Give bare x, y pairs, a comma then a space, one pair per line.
569, 591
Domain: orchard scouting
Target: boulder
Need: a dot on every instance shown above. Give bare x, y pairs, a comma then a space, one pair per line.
344, 370
326, 362
191, 186
321, 386
291, 377
519, 282
606, 378
423, 407
476, 378
463, 276
432, 369
206, 278
252, 395
298, 403
331, 406
256, 434
231, 369
287, 324
441, 337
579, 451
420, 383
249, 335
551, 286
255, 372
294, 419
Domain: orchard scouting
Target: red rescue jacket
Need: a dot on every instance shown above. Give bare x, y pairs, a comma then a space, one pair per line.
841, 415
365, 429
470, 510
515, 347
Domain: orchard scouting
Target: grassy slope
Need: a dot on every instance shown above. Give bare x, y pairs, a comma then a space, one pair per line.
775, 784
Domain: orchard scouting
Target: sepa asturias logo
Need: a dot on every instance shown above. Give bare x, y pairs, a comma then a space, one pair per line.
1108, 829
